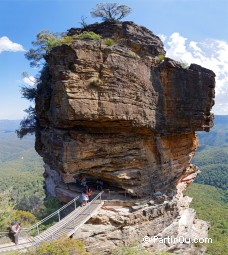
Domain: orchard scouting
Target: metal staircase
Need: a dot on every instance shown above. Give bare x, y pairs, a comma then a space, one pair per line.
65, 227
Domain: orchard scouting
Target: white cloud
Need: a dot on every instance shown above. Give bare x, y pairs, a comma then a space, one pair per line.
30, 80
7, 45
210, 53
162, 37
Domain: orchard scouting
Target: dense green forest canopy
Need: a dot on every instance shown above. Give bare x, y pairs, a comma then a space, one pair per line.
212, 155
21, 168
209, 203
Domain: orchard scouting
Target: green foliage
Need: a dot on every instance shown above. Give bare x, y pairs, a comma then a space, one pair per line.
110, 11
162, 253
209, 204
160, 58
109, 42
13, 253
96, 82
28, 92
215, 175
49, 206
29, 124
133, 54
212, 155
83, 22
26, 218
9, 214
21, 171
213, 163
45, 42
88, 36
6, 210
60, 247
130, 250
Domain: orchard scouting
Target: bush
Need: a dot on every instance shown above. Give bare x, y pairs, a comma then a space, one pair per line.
160, 58
88, 36
45, 41
133, 55
29, 124
26, 218
109, 42
96, 82
60, 247
110, 11
6, 210
130, 250
50, 205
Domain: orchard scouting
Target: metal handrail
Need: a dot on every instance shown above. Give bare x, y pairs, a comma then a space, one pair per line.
36, 242
81, 211
50, 216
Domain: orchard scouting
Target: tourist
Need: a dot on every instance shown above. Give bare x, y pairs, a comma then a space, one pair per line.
84, 198
15, 228
83, 181
100, 184
89, 192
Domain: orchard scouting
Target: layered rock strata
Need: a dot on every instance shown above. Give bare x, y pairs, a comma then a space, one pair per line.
122, 114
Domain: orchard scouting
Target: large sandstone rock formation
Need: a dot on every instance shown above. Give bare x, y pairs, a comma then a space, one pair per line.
122, 114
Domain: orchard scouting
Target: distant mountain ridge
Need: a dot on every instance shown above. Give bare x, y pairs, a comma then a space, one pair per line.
9, 125
218, 135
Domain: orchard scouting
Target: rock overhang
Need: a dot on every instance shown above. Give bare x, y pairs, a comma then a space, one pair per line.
129, 119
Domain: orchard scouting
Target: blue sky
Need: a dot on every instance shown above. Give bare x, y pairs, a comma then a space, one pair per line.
192, 31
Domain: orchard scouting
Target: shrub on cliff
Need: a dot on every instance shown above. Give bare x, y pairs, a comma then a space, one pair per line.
45, 41
109, 42
88, 35
9, 214
110, 11
59, 247
130, 250
28, 124
133, 54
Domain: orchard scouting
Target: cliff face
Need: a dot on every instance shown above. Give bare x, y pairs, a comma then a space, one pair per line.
120, 114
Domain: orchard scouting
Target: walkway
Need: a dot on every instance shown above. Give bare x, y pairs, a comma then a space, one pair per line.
62, 229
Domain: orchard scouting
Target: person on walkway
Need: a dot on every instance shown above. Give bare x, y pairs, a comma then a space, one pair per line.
89, 192
83, 181
100, 184
15, 228
84, 198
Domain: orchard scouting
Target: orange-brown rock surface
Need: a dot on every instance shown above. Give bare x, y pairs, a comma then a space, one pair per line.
121, 114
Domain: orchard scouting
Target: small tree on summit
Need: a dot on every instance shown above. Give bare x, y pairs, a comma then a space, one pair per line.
110, 11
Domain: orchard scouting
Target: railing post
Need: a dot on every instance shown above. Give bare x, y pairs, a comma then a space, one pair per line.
59, 215
37, 227
75, 206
